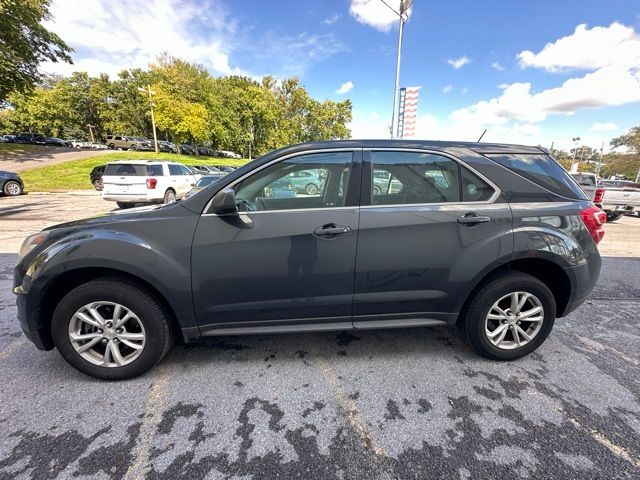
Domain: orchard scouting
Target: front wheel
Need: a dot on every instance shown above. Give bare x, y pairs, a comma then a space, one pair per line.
509, 317
112, 329
12, 188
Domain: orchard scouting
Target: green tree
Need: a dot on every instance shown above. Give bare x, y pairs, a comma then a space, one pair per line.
25, 43
630, 140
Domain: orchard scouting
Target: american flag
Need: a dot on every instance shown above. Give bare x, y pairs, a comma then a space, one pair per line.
407, 111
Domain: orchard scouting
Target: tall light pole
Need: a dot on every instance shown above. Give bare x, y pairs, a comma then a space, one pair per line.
90, 131
405, 5
153, 119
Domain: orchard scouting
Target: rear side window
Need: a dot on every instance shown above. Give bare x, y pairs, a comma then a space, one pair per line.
413, 178
542, 170
129, 169
174, 170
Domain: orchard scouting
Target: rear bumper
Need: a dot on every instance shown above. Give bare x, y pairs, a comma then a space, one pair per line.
583, 279
131, 198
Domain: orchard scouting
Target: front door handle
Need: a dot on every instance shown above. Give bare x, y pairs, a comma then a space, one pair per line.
470, 219
331, 230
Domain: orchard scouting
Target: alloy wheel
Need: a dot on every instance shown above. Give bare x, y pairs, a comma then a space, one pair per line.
107, 334
514, 320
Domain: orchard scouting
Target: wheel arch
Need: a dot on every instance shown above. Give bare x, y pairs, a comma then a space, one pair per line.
544, 269
59, 286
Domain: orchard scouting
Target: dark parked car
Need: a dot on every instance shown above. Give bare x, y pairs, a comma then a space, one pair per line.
187, 149
11, 183
35, 138
495, 239
56, 142
7, 139
96, 176
208, 170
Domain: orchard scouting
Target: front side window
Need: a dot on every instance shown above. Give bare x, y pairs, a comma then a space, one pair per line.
400, 178
316, 180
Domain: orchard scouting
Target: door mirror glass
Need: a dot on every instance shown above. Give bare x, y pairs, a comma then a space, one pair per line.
224, 202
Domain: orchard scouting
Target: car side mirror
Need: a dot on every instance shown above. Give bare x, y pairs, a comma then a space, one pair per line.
224, 202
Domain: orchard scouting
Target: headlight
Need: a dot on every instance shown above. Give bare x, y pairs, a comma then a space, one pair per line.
30, 243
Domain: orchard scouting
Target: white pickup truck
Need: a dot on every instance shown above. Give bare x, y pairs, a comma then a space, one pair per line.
615, 197
624, 194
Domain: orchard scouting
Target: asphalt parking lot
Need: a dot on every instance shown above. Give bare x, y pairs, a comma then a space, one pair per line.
414, 403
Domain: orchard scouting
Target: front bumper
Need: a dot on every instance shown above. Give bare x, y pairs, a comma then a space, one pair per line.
28, 312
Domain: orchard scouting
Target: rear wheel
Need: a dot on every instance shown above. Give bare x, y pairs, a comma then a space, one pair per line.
97, 184
376, 190
509, 317
169, 196
125, 204
12, 188
112, 329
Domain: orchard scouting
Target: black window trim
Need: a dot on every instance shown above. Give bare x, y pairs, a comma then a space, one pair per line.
365, 200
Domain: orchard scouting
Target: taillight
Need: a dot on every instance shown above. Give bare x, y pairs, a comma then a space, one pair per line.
599, 195
151, 183
594, 219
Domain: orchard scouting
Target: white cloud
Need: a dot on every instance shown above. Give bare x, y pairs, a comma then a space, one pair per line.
120, 34
465, 90
330, 20
375, 13
458, 62
447, 89
345, 87
497, 66
604, 127
587, 49
608, 86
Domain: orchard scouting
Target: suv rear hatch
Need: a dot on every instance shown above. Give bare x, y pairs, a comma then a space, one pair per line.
128, 178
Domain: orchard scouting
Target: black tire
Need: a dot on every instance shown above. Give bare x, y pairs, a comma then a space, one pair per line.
112, 146
159, 336
134, 147
612, 217
472, 326
125, 204
376, 190
97, 184
12, 188
169, 196
311, 189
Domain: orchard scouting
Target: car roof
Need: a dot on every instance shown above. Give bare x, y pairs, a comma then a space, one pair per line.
480, 147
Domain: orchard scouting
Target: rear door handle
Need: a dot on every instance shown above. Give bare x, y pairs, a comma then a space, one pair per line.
331, 230
470, 219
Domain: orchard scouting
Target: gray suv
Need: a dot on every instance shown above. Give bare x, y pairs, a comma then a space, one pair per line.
496, 240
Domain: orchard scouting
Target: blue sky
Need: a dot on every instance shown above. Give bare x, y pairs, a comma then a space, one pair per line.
531, 72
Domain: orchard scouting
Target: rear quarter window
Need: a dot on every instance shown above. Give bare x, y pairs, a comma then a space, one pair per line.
542, 170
